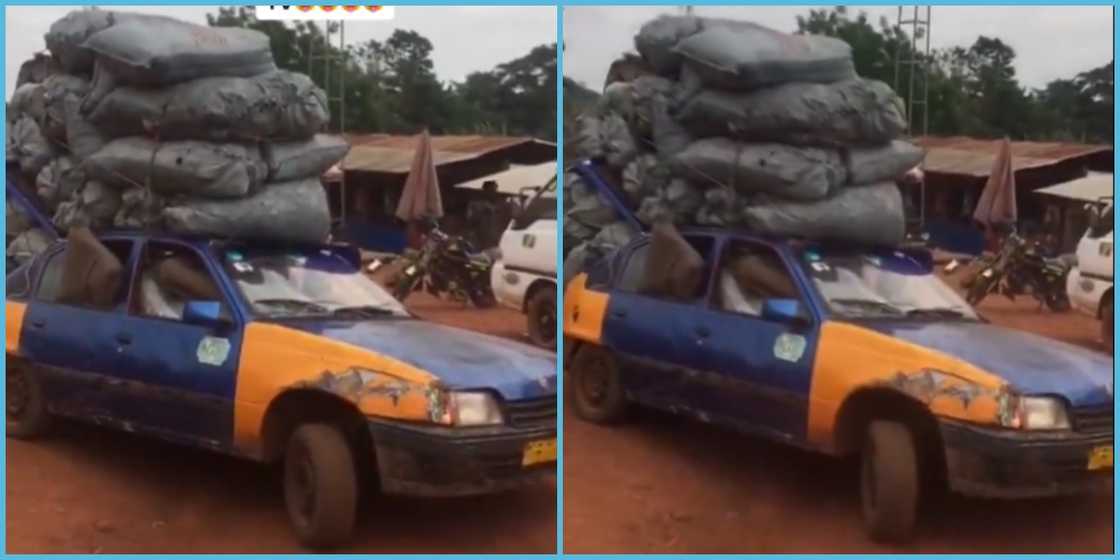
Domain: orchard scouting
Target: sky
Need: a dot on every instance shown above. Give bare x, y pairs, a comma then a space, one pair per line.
465, 39
1050, 42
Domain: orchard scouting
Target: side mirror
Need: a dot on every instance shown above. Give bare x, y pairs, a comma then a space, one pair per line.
783, 311
204, 313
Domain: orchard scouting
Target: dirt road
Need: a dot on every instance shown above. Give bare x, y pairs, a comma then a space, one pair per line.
666, 485
89, 490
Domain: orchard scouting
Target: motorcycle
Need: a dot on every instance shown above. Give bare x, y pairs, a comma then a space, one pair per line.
1021, 268
447, 266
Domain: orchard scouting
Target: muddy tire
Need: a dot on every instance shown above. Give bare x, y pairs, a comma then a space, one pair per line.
28, 417
889, 481
595, 386
540, 313
1107, 325
320, 486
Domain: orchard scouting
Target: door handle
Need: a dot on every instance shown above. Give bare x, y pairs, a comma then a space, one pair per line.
125, 339
703, 332
38, 323
620, 313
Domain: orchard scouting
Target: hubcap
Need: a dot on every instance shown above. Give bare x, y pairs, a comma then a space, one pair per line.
547, 323
593, 383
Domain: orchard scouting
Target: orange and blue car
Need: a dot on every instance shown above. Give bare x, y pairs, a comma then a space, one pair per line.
279, 354
848, 351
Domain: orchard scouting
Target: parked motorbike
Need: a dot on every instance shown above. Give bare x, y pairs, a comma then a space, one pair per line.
1021, 268
447, 266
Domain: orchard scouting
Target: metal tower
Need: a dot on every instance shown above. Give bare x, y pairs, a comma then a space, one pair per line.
911, 67
328, 55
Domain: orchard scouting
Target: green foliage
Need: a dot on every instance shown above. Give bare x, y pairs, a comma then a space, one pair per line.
391, 86
973, 91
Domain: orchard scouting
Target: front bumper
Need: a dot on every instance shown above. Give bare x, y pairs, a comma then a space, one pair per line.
437, 461
995, 463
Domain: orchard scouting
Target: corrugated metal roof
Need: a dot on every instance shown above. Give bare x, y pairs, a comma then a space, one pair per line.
960, 155
1089, 188
512, 180
384, 153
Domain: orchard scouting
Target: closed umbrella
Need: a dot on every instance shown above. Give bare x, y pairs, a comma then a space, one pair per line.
420, 197
997, 200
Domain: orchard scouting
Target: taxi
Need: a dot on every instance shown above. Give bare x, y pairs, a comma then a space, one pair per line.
847, 351
279, 355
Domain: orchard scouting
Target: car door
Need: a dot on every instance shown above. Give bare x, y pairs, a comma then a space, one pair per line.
757, 368
650, 337
183, 375
74, 345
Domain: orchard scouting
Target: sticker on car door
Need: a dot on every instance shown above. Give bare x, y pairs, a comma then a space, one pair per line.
213, 351
789, 347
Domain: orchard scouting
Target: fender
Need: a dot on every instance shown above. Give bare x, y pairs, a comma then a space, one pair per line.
851, 358
275, 359
14, 314
584, 311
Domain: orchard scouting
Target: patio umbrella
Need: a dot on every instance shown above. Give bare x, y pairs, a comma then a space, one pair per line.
997, 200
420, 196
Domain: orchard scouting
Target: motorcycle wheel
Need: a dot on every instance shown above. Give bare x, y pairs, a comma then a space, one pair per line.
403, 288
978, 290
1057, 300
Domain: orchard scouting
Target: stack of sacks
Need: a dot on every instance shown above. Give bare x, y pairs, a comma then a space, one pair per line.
741, 126
145, 121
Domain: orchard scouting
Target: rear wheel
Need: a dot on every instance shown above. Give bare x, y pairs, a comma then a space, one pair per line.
978, 290
596, 386
889, 481
28, 417
541, 315
320, 486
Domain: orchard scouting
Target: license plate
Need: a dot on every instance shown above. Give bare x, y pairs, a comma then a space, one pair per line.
536, 452
1100, 458
410, 270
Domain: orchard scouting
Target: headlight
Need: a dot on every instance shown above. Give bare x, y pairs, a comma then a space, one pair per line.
1038, 413
474, 409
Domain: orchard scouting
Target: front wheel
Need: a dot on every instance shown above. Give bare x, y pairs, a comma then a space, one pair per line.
404, 287
28, 417
320, 486
889, 481
1057, 300
596, 386
541, 316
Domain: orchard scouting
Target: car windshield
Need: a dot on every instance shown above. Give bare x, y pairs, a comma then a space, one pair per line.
893, 285
307, 284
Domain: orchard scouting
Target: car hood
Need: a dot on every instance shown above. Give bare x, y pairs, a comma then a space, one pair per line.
1030, 363
461, 359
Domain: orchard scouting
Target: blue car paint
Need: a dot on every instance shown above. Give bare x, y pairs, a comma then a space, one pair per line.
461, 359
144, 373
1033, 364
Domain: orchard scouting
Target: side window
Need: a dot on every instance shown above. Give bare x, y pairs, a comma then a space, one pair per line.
750, 274
98, 283
171, 275
630, 279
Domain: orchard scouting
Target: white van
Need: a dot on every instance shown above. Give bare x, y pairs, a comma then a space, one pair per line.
1090, 282
524, 277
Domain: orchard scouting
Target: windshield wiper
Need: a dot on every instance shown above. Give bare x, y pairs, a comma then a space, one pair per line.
936, 312
368, 310
869, 303
292, 301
